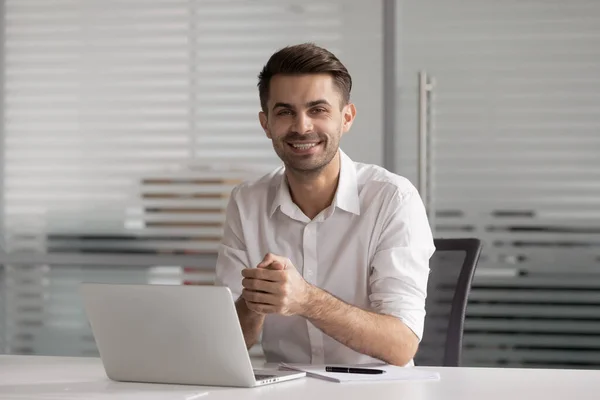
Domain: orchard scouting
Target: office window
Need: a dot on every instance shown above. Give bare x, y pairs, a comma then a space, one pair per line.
515, 162
126, 124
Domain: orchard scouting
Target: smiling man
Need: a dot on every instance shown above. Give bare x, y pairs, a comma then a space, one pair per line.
327, 257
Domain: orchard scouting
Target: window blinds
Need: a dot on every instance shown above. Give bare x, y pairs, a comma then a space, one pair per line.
126, 124
515, 159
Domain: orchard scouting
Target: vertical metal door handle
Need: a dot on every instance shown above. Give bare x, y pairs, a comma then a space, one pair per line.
424, 142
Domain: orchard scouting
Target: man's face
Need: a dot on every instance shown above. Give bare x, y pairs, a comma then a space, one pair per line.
305, 120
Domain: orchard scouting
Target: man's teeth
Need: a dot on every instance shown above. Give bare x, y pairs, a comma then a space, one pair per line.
304, 146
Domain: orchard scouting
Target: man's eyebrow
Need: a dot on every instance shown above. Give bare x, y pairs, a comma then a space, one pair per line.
282, 105
317, 103
307, 105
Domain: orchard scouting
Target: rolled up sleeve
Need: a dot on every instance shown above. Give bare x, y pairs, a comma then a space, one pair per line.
400, 266
232, 257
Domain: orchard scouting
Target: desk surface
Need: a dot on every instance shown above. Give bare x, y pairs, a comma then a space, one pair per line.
30, 377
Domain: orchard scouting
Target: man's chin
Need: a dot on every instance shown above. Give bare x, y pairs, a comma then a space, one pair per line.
308, 167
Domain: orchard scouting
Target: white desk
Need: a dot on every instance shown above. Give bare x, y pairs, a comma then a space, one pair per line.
25, 377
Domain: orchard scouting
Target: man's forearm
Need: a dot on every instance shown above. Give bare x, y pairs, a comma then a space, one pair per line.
381, 336
250, 321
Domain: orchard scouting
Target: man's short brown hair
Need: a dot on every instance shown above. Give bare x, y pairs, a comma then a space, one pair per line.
306, 58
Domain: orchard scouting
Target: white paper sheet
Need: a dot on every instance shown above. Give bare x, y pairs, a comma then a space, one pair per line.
391, 373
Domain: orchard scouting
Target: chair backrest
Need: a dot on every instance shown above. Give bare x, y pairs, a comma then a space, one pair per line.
452, 268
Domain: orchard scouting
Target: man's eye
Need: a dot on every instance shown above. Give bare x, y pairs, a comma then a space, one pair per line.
284, 112
318, 110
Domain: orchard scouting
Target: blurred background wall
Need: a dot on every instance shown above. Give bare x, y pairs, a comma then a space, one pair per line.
126, 123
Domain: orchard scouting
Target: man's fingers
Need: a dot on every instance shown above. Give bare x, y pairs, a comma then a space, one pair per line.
258, 297
263, 273
260, 285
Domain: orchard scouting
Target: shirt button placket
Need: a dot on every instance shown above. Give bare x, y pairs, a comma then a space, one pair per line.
310, 275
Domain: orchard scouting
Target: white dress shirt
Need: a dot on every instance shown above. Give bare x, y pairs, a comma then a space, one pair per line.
370, 248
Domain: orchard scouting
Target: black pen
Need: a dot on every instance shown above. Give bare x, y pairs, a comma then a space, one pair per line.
354, 370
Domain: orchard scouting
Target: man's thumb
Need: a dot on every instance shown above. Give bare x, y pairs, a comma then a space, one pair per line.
277, 265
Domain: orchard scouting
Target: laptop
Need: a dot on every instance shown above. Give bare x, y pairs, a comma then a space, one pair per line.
172, 334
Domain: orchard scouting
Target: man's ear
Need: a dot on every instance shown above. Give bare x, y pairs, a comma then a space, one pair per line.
348, 115
262, 117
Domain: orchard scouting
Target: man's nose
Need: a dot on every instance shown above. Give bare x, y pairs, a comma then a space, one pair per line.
303, 123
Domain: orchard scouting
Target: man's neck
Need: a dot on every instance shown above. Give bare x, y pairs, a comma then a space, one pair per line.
313, 194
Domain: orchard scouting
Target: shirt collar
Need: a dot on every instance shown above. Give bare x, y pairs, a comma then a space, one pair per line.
346, 195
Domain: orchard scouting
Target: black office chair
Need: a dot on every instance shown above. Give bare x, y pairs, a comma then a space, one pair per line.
452, 268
